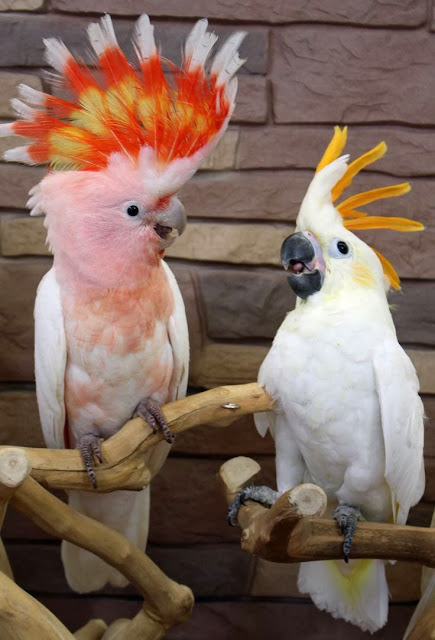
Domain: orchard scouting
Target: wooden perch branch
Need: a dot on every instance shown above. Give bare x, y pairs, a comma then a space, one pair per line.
292, 530
14, 468
93, 630
166, 602
123, 454
22, 617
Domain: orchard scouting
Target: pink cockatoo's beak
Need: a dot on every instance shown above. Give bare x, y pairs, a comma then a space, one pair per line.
170, 222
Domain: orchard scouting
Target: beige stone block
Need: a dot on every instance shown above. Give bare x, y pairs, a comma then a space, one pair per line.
229, 364
224, 154
15, 183
352, 75
9, 142
234, 243
28, 32
23, 235
280, 580
9, 82
370, 12
248, 195
251, 100
275, 580
20, 5
424, 362
411, 151
19, 419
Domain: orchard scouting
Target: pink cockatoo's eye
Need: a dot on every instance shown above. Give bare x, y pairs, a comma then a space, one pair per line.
134, 209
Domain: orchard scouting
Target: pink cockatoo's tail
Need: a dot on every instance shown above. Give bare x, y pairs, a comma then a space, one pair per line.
110, 327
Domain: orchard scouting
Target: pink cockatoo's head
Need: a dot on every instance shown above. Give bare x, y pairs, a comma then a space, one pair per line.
124, 143
110, 226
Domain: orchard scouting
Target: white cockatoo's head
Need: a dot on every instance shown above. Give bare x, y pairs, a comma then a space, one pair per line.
323, 254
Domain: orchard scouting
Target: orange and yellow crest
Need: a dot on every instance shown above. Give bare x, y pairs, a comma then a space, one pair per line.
354, 219
123, 109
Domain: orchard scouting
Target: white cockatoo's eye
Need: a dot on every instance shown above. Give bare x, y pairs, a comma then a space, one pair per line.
339, 249
133, 209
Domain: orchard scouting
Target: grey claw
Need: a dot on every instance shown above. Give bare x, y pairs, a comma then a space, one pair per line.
264, 495
89, 446
149, 410
347, 517
232, 512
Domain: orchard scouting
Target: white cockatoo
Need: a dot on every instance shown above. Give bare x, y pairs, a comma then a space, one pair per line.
348, 415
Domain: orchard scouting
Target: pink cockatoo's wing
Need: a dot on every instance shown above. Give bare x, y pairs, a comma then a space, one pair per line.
50, 360
179, 339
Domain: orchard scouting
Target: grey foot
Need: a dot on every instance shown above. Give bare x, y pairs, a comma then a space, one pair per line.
264, 495
89, 446
149, 410
347, 517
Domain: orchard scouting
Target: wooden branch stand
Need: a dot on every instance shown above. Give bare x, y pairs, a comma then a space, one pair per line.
292, 530
25, 471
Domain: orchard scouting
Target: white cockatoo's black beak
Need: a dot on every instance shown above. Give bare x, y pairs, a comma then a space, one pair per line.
302, 256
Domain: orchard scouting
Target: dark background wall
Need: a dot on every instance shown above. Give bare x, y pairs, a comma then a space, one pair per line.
311, 64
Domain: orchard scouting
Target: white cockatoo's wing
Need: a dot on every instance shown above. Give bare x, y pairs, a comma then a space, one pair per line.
50, 360
402, 417
266, 376
290, 466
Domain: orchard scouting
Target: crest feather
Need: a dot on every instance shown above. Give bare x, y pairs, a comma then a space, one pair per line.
355, 219
124, 109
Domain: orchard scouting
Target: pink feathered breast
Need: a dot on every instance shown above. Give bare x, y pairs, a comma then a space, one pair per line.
118, 353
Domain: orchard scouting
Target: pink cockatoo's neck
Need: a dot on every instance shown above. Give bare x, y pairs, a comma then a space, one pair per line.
125, 275
121, 318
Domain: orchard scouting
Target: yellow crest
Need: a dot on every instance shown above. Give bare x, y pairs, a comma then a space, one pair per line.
354, 219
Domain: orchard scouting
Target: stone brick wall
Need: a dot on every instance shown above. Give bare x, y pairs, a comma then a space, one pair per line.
311, 64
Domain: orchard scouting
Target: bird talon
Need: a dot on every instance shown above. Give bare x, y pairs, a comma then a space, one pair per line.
263, 495
347, 518
233, 511
89, 446
149, 410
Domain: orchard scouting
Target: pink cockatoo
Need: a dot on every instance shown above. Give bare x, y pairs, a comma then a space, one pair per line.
111, 336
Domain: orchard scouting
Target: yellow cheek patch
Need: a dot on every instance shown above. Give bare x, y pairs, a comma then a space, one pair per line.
363, 275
